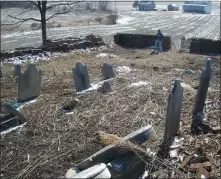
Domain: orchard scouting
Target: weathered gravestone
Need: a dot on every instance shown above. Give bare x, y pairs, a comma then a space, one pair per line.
81, 77
1, 66
107, 71
105, 88
173, 112
29, 83
17, 70
12, 118
198, 109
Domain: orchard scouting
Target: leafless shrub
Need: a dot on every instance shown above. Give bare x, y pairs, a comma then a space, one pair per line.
99, 19
112, 19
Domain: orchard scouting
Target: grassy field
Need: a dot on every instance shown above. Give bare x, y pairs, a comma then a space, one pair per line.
55, 141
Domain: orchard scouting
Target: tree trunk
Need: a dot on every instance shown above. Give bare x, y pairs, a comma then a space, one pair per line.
43, 29
42, 7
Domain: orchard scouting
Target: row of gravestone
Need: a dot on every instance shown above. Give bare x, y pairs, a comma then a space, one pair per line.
29, 87
29, 82
81, 77
175, 99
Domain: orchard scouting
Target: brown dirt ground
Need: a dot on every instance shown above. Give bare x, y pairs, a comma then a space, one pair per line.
55, 141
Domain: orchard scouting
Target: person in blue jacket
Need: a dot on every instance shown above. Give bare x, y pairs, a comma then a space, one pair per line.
158, 42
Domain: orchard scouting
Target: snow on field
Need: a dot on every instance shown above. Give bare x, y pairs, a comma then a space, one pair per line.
175, 24
124, 20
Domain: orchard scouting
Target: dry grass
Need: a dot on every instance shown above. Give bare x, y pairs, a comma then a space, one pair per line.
56, 141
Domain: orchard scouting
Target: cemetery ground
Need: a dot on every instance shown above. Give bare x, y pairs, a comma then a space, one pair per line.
52, 141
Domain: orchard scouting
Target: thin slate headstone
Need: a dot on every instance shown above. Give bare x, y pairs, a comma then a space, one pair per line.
203, 88
29, 83
17, 69
81, 77
198, 123
175, 100
107, 71
1, 67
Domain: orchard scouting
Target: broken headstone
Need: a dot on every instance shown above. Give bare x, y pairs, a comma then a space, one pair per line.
29, 83
11, 119
81, 77
110, 152
105, 88
107, 71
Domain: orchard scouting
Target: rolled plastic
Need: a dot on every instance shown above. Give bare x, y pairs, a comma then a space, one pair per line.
97, 171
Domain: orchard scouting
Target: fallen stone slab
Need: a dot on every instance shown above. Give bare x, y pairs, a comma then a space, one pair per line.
11, 120
110, 152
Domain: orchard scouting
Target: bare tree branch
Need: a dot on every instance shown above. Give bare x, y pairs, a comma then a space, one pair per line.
58, 13
24, 20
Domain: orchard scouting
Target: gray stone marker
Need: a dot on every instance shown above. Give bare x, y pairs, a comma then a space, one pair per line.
17, 70
107, 71
12, 119
1, 67
81, 77
105, 88
29, 83
173, 112
110, 152
198, 109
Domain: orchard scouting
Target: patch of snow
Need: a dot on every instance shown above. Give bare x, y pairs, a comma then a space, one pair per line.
94, 86
124, 20
21, 105
12, 129
153, 113
140, 83
105, 55
184, 85
72, 112
202, 176
173, 153
123, 69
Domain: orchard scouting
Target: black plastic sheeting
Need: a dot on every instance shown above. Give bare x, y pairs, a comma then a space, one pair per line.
205, 46
140, 41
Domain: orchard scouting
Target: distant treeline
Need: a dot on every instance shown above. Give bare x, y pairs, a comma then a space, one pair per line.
9, 4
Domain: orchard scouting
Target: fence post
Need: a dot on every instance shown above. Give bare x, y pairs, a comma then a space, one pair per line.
175, 100
198, 109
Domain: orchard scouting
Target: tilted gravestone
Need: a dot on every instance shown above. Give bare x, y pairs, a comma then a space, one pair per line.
173, 112
12, 118
81, 77
29, 83
198, 109
107, 71
17, 70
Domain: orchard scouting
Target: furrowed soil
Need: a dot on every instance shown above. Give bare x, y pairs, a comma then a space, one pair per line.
55, 141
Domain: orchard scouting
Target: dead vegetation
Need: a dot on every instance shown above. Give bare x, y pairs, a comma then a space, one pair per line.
52, 141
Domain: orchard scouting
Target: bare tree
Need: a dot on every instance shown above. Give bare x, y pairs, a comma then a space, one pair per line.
103, 5
43, 7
